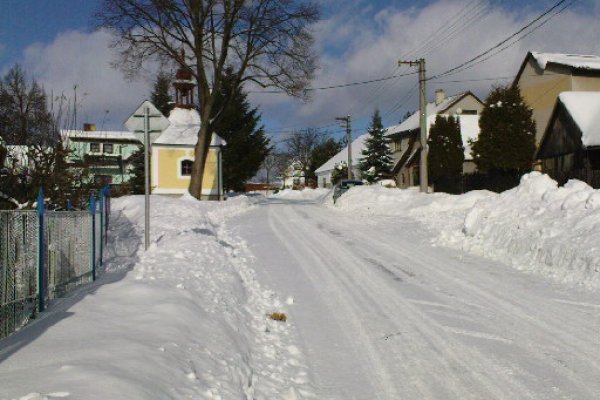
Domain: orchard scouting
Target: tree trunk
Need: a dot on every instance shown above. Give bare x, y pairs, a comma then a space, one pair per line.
200, 155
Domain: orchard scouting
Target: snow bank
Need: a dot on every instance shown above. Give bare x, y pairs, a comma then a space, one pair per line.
306, 194
189, 319
536, 227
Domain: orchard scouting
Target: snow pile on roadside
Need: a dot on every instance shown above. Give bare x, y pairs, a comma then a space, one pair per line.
537, 226
306, 194
188, 321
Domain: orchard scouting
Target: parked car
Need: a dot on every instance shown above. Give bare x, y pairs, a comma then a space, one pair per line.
343, 186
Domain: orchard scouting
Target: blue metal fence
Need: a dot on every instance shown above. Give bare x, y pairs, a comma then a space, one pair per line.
45, 254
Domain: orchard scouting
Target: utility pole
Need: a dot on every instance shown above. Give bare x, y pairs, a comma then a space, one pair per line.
423, 121
348, 121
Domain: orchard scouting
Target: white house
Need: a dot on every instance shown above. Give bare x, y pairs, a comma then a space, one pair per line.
324, 171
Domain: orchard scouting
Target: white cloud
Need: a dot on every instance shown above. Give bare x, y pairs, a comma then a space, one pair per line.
363, 48
356, 45
84, 59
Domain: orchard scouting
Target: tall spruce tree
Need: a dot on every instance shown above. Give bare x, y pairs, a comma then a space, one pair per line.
506, 140
161, 93
376, 163
247, 146
137, 182
446, 150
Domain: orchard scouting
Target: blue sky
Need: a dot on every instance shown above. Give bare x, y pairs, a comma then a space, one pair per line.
357, 40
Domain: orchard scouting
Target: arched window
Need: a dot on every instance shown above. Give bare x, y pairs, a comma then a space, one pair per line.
186, 167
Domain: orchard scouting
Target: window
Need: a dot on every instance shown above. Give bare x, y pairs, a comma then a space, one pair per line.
469, 112
397, 145
108, 148
94, 147
186, 167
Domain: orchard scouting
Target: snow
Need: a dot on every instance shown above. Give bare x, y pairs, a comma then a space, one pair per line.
186, 319
358, 145
589, 62
106, 135
305, 194
584, 108
469, 130
388, 294
536, 227
412, 122
183, 129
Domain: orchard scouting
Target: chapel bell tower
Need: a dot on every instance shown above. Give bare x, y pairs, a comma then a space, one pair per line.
184, 88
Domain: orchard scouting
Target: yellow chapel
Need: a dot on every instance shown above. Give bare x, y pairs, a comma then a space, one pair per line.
173, 150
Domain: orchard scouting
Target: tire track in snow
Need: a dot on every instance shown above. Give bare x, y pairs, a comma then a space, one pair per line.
553, 336
378, 375
436, 343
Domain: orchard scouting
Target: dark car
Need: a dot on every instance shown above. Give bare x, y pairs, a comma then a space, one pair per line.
343, 186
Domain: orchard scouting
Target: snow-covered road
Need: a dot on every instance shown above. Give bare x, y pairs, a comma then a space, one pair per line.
382, 314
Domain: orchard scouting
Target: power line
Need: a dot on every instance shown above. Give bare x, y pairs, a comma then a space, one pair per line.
472, 62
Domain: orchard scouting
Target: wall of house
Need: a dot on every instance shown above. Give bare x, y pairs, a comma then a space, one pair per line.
540, 89
166, 177
121, 151
586, 83
466, 103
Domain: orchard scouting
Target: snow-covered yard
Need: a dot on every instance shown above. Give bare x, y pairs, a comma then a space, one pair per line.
389, 294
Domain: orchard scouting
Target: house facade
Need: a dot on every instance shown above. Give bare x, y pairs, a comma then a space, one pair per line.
570, 146
405, 138
543, 76
104, 154
173, 150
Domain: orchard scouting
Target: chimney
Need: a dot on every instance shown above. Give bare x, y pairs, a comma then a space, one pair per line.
89, 127
440, 96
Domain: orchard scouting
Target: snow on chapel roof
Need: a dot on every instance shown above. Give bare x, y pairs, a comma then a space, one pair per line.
578, 61
183, 129
584, 108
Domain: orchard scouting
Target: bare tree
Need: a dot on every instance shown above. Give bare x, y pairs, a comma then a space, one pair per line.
300, 146
267, 42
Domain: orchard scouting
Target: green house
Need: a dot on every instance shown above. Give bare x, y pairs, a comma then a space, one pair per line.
104, 155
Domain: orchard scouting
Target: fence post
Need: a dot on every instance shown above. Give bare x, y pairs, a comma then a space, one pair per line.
93, 236
40, 278
101, 207
107, 212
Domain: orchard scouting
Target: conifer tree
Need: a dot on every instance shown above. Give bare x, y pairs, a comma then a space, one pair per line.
446, 151
506, 140
137, 182
376, 163
161, 96
247, 146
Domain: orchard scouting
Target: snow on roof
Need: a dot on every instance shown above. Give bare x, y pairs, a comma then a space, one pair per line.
183, 129
584, 108
412, 122
590, 62
357, 146
98, 135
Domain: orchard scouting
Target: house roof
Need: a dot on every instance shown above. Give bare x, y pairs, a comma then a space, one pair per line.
412, 122
577, 62
98, 135
584, 108
357, 147
183, 129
